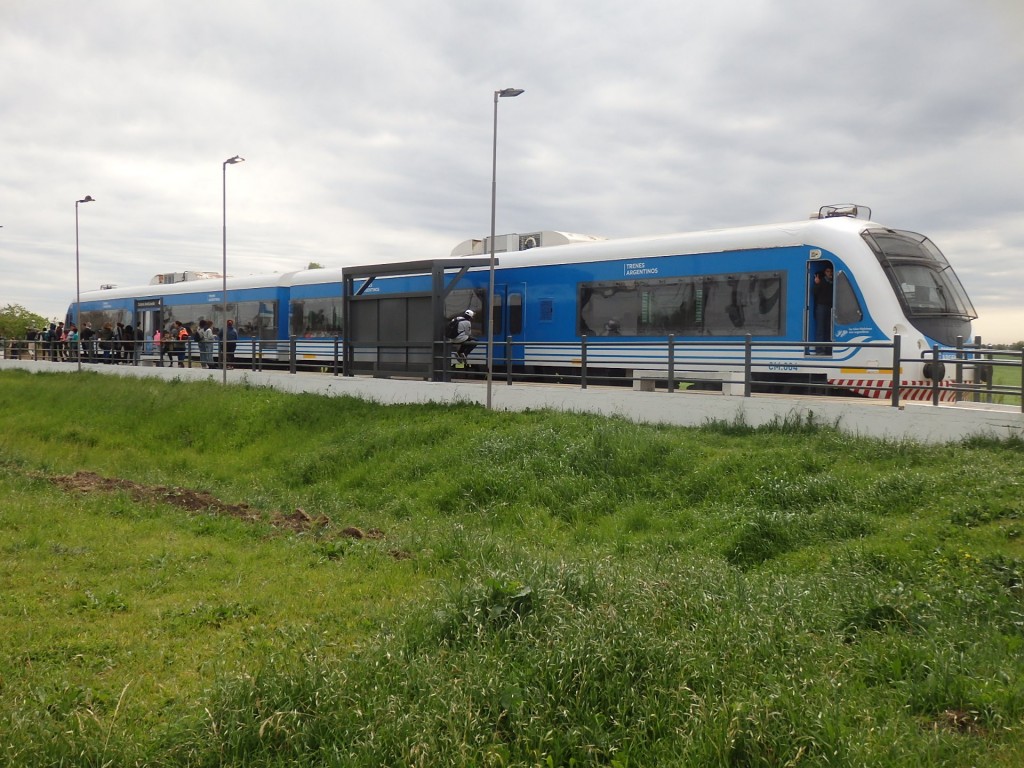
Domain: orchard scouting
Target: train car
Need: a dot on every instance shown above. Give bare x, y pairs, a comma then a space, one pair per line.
621, 302
255, 305
714, 288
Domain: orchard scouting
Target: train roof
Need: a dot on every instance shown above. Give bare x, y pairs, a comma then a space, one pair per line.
825, 233
828, 232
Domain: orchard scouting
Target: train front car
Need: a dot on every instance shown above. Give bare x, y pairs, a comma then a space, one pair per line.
911, 291
821, 300
907, 289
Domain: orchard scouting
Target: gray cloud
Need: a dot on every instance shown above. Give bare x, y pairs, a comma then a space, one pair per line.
367, 129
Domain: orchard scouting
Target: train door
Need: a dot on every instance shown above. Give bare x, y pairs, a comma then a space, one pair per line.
147, 320
818, 306
509, 300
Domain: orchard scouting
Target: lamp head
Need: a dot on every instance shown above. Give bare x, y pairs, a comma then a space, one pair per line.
87, 199
506, 93
233, 160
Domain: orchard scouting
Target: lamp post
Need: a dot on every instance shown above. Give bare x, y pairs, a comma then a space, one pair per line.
224, 265
504, 93
78, 284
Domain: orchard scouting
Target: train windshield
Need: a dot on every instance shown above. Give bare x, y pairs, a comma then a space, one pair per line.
928, 289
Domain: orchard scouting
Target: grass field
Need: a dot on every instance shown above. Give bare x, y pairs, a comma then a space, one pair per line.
200, 576
1006, 377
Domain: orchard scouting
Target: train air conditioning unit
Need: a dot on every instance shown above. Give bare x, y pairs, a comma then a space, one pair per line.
520, 242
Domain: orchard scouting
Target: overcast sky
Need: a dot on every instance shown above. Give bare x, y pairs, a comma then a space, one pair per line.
366, 126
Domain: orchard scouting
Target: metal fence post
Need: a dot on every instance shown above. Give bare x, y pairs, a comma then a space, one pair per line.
748, 357
959, 368
292, 354
895, 394
583, 362
1020, 361
979, 376
935, 374
671, 383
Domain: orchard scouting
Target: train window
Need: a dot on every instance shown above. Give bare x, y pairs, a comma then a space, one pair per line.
100, 317
470, 298
740, 304
316, 318
257, 319
920, 274
188, 314
708, 305
848, 309
496, 315
925, 291
515, 313
724, 309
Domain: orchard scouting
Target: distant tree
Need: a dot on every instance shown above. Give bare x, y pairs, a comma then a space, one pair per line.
15, 321
314, 265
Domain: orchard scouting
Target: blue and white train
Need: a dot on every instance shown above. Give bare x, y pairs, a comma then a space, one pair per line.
711, 289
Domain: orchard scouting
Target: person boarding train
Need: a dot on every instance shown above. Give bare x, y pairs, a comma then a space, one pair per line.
460, 331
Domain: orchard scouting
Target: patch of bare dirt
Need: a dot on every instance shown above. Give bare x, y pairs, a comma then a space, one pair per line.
959, 721
186, 498
202, 501
355, 533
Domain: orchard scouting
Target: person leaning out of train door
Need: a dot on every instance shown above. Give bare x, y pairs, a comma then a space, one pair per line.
823, 299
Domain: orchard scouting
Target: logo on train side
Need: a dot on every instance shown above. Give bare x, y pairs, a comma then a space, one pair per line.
849, 333
638, 269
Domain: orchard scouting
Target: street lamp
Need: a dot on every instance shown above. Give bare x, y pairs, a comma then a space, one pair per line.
78, 283
504, 93
224, 265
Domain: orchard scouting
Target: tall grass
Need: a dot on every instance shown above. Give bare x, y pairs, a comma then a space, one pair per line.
540, 588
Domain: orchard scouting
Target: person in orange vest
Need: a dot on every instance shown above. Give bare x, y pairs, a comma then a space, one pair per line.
182, 333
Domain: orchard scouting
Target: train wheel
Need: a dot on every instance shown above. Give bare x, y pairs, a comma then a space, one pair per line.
934, 371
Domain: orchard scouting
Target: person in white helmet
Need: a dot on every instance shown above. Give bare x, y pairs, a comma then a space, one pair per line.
463, 340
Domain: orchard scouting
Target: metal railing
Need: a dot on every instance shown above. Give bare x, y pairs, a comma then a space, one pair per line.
971, 372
